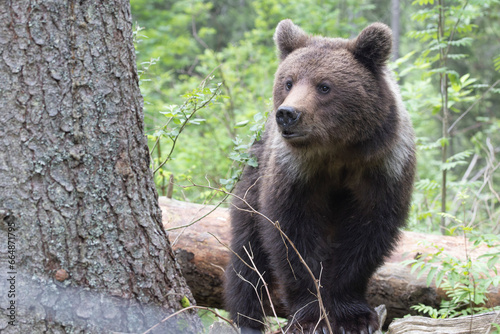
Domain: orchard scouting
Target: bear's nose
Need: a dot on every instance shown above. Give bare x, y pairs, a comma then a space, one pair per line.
286, 117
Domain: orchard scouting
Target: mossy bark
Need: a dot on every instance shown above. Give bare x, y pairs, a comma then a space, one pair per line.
80, 226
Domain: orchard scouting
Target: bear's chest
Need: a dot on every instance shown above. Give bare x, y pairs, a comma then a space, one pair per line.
320, 203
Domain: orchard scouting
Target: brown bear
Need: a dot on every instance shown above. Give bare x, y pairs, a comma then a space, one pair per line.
335, 173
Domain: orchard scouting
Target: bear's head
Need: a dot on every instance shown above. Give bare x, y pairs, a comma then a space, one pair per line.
333, 92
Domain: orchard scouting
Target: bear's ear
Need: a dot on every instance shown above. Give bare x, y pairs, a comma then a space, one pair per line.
289, 37
373, 46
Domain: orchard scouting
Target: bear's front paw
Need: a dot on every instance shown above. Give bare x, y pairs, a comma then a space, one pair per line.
366, 323
308, 327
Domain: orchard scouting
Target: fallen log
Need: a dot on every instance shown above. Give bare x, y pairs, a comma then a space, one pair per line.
476, 324
200, 246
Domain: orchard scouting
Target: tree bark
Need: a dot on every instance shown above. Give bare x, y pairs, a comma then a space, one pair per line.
203, 255
81, 237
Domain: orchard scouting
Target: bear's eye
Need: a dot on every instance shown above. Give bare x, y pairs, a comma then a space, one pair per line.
324, 89
288, 85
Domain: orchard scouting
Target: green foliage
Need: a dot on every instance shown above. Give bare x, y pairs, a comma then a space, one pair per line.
178, 117
182, 44
441, 100
241, 152
465, 282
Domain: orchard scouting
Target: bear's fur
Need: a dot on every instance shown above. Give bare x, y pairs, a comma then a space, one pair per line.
335, 171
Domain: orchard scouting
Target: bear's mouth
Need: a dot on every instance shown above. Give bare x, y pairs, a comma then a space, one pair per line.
290, 134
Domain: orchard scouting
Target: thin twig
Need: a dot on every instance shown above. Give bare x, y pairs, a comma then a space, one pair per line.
455, 29
201, 86
264, 283
301, 259
493, 322
216, 206
191, 308
188, 118
472, 106
254, 268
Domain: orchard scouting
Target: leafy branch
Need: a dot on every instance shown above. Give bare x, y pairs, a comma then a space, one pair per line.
183, 116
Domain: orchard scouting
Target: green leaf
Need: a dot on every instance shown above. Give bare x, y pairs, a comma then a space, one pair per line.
431, 275
241, 124
439, 278
178, 121
197, 121
173, 133
496, 63
462, 42
258, 116
426, 184
492, 261
185, 302
415, 267
444, 142
253, 162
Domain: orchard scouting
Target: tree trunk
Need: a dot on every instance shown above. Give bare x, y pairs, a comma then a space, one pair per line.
83, 248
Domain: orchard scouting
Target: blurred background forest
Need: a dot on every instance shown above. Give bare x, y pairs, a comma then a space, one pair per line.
206, 72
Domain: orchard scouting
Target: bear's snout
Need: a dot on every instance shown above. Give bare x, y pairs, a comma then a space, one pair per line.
287, 117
